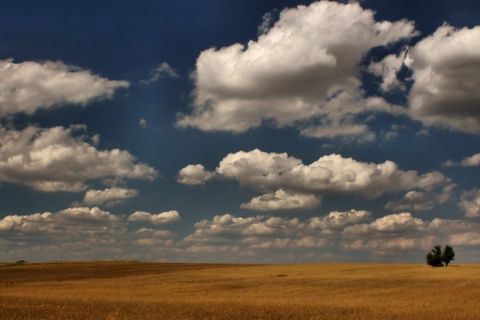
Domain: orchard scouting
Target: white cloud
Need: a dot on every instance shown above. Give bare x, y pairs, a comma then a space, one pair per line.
151, 237
470, 203
446, 74
71, 220
337, 232
404, 232
294, 72
58, 159
80, 234
283, 200
473, 161
160, 71
306, 242
143, 123
155, 219
267, 22
90, 233
465, 239
340, 116
110, 196
388, 69
194, 174
336, 219
29, 86
420, 200
329, 174
394, 223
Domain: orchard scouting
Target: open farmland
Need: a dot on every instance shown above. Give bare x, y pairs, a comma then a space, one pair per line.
136, 290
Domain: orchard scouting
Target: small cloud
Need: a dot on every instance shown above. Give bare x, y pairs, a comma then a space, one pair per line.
420, 200
388, 69
162, 70
283, 200
155, 219
96, 140
267, 22
473, 161
470, 203
108, 197
423, 133
194, 174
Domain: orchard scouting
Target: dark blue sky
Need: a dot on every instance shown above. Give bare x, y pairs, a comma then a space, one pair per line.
183, 131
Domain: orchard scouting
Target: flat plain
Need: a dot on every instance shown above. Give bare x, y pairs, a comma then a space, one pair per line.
141, 290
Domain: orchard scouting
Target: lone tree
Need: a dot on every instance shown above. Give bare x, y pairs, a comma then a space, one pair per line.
436, 258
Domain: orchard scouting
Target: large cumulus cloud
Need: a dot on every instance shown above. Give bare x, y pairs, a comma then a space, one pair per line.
446, 74
298, 70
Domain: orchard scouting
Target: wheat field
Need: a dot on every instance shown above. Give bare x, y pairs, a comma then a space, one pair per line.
136, 290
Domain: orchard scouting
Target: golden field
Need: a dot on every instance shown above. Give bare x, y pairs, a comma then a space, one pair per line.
136, 290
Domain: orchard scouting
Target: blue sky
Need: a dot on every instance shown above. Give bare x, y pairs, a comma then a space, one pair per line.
239, 131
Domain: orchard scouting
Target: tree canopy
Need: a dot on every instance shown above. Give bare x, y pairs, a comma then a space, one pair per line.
437, 258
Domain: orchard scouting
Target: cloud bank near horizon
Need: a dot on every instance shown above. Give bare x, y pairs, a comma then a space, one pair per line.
92, 233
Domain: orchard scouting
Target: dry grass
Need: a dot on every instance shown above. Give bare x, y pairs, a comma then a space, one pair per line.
134, 290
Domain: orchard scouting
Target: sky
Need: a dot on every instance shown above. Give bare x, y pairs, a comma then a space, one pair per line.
253, 131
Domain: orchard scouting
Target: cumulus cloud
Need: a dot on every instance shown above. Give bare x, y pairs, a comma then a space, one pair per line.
194, 174
58, 159
29, 86
336, 219
394, 223
446, 74
420, 200
155, 219
269, 231
336, 232
297, 71
470, 203
151, 237
402, 231
69, 220
388, 69
473, 161
283, 200
291, 184
340, 118
109, 197
329, 174
80, 233
91, 233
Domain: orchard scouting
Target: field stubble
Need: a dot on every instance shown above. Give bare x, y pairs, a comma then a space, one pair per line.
135, 290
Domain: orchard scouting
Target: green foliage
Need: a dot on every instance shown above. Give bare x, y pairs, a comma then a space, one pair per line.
448, 255
434, 257
437, 258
